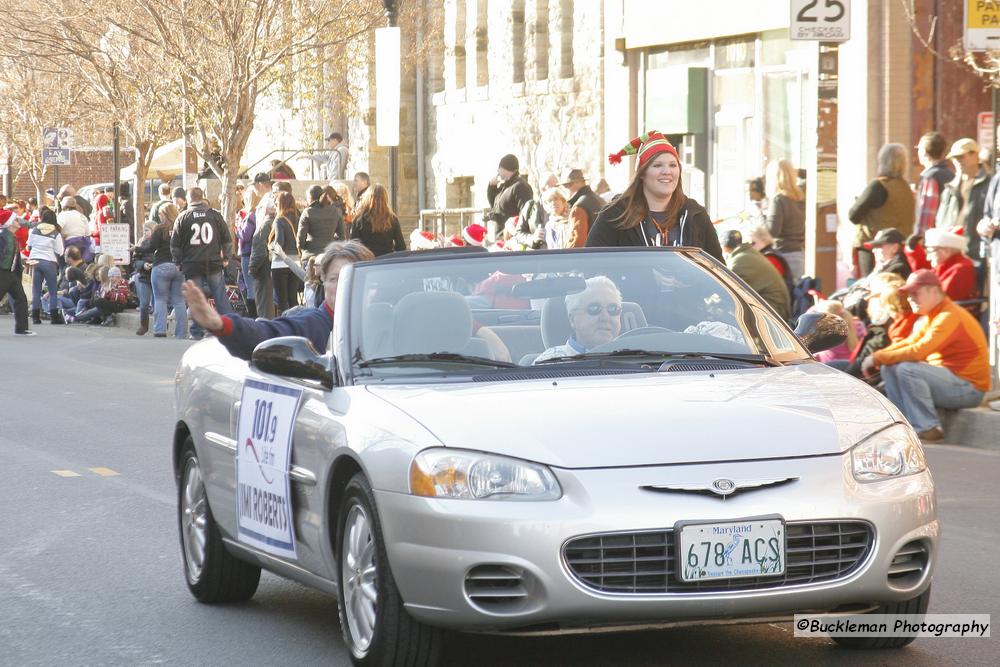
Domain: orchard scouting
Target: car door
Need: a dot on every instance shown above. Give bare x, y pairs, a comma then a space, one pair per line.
313, 434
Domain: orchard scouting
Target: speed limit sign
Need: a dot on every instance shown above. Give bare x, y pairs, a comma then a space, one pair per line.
821, 20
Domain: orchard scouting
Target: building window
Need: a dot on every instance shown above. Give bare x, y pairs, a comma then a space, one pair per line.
565, 54
482, 43
435, 59
539, 39
517, 39
458, 192
459, 48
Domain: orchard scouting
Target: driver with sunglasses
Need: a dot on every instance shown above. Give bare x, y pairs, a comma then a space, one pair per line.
595, 315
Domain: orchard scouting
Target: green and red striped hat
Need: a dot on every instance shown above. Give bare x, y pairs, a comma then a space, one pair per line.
646, 146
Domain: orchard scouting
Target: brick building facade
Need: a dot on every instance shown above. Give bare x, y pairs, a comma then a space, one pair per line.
89, 166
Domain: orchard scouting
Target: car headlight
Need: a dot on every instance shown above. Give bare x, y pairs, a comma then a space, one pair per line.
457, 473
892, 452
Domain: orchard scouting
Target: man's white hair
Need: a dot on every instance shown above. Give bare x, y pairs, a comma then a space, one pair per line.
595, 284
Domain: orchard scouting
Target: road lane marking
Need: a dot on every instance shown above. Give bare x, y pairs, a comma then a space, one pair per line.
103, 472
66, 473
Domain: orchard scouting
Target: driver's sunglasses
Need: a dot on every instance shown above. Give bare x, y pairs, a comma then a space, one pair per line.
594, 309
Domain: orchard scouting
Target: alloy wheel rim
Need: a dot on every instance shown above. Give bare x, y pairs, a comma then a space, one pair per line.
358, 576
194, 521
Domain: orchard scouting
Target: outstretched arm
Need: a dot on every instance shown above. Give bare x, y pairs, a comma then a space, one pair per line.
201, 310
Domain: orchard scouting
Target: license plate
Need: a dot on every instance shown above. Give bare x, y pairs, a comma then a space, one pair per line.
731, 550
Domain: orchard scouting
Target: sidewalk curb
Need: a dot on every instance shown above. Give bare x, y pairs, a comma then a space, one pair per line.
972, 427
129, 319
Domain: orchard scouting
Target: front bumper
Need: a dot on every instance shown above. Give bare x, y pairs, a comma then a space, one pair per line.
434, 545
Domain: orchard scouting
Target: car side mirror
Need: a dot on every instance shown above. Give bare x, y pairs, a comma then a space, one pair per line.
821, 331
293, 357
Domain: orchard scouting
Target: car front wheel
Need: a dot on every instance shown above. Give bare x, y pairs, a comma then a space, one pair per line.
917, 605
376, 627
212, 573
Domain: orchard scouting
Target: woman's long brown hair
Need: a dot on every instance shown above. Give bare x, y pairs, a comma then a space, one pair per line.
375, 207
636, 208
286, 210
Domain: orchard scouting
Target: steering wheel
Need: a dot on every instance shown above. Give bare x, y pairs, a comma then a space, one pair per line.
611, 345
641, 331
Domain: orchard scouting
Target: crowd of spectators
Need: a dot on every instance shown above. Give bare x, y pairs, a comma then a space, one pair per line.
920, 257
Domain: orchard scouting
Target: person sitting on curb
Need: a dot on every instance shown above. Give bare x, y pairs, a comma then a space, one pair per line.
887, 246
943, 363
750, 265
956, 272
240, 335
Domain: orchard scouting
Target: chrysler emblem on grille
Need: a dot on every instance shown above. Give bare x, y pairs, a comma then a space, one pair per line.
720, 487
723, 486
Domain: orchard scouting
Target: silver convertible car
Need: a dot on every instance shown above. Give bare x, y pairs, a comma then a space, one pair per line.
550, 442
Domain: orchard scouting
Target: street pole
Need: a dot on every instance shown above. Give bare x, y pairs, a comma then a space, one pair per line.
391, 14
996, 112
114, 165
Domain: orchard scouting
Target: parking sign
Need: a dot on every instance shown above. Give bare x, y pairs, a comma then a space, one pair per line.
821, 20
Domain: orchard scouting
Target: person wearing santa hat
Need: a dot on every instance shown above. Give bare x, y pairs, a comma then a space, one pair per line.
653, 210
423, 239
475, 234
946, 252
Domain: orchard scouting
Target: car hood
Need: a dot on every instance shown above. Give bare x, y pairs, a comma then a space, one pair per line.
651, 419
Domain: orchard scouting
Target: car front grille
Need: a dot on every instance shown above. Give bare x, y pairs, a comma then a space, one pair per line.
643, 562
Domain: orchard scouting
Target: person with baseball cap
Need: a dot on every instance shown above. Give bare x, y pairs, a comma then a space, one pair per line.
653, 210
507, 192
946, 253
943, 363
964, 199
584, 203
887, 246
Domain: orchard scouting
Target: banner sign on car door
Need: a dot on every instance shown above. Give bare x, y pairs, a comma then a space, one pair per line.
263, 458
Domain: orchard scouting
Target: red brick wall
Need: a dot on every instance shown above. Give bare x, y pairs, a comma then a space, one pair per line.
947, 95
88, 166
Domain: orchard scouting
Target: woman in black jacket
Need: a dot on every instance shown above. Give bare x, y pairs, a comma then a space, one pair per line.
142, 266
375, 224
653, 210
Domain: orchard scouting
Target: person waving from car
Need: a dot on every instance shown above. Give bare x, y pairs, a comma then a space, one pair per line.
240, 335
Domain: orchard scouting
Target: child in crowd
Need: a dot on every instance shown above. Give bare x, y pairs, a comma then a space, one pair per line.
110, 294
840, 357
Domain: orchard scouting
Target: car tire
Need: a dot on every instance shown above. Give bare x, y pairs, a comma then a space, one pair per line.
917, 605
376, 627
212, 573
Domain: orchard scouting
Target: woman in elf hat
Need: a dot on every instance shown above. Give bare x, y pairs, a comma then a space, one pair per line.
653, 210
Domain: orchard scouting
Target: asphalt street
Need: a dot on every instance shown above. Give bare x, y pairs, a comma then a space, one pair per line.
90, 568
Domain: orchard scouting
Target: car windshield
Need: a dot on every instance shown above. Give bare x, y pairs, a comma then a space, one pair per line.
476, 313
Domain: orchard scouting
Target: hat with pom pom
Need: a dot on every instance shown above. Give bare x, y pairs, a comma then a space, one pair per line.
423, 239
474, 234
648, 145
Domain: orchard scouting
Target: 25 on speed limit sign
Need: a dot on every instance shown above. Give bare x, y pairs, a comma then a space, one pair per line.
822, 20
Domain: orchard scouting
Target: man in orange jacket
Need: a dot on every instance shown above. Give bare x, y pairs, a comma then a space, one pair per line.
943, 363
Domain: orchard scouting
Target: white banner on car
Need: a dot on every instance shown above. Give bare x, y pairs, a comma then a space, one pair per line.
263, 457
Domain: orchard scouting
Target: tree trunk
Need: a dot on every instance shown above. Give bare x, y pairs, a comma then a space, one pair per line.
144, 156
